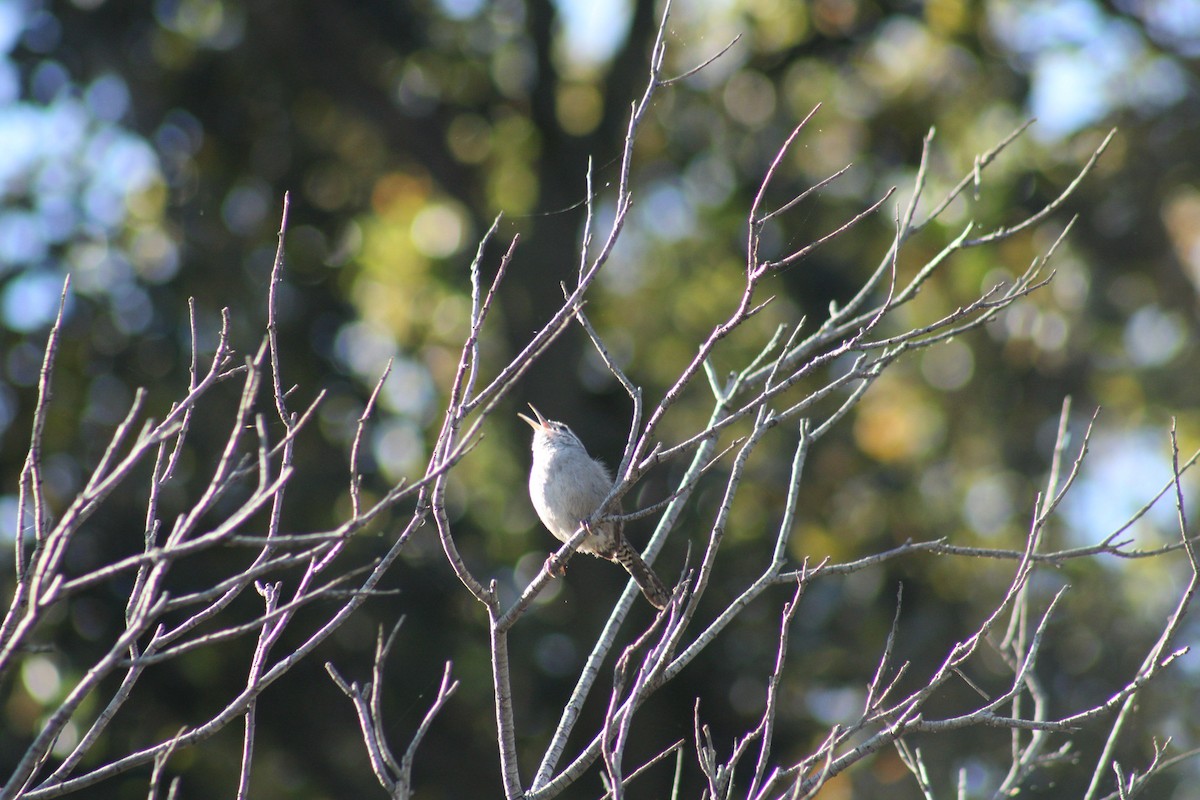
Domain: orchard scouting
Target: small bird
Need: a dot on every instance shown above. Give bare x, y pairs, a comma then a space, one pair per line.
566, 486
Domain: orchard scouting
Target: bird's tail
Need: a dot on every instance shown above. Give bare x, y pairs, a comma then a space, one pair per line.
642, 574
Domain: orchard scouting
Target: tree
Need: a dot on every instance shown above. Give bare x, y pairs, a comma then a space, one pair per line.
854, 501
189, 584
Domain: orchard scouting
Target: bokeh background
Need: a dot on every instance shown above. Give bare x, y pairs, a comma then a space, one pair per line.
145, 148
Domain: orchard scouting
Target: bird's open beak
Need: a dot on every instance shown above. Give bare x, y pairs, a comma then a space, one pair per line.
540, 422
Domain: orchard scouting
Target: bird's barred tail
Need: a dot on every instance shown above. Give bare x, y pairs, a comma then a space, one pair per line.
642, 574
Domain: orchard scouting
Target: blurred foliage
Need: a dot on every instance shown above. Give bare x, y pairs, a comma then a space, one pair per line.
145, 148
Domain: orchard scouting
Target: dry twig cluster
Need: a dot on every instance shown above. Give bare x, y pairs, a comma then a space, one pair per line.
159, 627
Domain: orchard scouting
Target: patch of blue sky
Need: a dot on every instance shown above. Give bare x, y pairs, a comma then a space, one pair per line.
10, 83
107, 98
460, 9
12, 23
1123, 471
53, 153
1029, 29
30, 301
593, 29
1083, 64
1177, 23
119, 159
68, 171
33, 135
21, 240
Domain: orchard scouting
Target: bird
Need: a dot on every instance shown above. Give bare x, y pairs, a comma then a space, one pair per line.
566, 486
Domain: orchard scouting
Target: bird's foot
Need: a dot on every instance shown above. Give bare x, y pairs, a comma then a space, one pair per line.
555, 567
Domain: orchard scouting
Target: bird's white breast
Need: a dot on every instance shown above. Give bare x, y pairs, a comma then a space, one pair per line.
566, 485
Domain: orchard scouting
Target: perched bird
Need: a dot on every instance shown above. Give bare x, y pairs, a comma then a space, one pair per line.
567, 486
